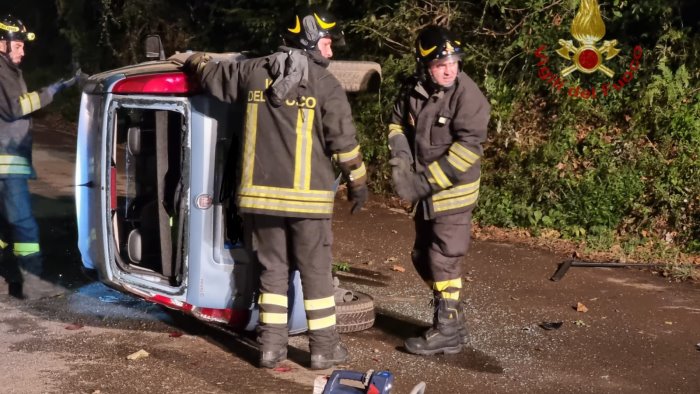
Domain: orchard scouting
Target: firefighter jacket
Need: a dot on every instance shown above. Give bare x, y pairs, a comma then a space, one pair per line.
296, 118
445, 130
15, 124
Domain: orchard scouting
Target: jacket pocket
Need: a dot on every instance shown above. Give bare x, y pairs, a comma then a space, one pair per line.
440, 130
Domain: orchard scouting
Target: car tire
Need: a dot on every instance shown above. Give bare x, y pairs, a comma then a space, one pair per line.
355, 315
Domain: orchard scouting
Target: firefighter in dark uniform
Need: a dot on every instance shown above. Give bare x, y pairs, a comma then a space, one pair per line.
297, 120
436, 132
21, 254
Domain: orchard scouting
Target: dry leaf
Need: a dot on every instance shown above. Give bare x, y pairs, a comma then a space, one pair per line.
137, 355
581, 308
74, 326
398, 268
670, 323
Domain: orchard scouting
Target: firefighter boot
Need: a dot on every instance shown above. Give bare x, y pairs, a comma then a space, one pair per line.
338, 354
35, 285
444, 336
12, 274
270, 358
463, 331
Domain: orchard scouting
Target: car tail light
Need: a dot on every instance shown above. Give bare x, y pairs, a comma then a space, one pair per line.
165, 83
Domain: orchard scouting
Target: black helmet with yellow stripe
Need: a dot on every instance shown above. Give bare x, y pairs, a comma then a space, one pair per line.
435, 42
12, 29
308, 25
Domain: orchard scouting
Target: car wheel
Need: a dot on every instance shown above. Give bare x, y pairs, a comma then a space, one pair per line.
355, 315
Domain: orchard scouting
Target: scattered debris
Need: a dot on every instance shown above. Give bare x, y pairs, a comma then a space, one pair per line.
580, 323
697, 346
546, 325
581, 308
391, 260
175, 334
137, 355
74, 326
283, 368
668, 323
398, 268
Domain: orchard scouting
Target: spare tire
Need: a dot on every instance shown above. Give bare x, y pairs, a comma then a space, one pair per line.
355, 315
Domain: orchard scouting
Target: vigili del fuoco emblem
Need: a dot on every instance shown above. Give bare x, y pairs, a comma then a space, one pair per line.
588, 28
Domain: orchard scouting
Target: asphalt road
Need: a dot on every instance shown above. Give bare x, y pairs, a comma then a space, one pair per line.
639, 334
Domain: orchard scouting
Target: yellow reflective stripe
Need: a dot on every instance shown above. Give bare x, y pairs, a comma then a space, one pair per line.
347, 156
463, 153
35, 99
319, 324
302, 160
273, 299
22, 170
457, 162
457, 191
454, 203
395, 129
287, 193
442, 285
285, 206
450, 296
13, 160
25, 103
358, 173
273, 318
3, 244
251, 130
319, 303
439, 175
25, 249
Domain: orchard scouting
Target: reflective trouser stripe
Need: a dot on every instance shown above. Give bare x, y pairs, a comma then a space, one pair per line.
273, 308
273, 299
321, 303
449, 289
315, 311
25, 249
273, 318
3, 244
324, 322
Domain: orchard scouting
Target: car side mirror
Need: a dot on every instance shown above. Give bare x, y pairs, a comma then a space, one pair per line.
153, 47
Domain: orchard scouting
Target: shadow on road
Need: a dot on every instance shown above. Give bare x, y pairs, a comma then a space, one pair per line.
402, 327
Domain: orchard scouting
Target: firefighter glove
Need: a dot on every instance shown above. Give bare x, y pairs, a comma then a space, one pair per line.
358, 195
195, 63
399, 147
409, 185
60, 85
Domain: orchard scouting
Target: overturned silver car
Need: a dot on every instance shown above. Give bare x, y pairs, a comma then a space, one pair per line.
154, 195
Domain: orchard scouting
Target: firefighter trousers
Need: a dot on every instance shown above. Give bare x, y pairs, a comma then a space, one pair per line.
281, 244
20, 232
440, 247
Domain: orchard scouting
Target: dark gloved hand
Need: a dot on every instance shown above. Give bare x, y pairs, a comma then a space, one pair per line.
409, 185
399, 147
195, 63
358, 195
60, 85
